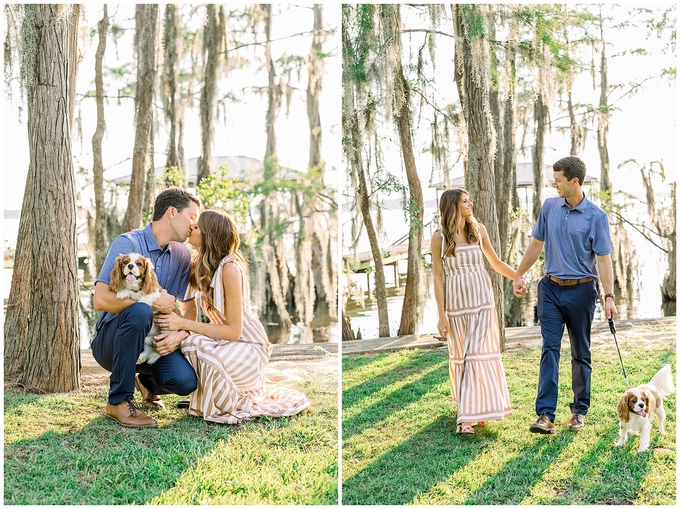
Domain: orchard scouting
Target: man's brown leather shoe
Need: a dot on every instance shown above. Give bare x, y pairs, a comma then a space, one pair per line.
149, 400
542, 425
127, 414
577, 421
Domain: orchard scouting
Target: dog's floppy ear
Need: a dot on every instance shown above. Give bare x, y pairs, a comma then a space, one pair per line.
116, 276
622, 409
651, 401
150, 279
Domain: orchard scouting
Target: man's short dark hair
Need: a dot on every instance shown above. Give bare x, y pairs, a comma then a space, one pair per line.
572, 167
173, 197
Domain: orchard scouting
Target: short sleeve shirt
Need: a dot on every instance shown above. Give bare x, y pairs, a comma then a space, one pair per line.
171, 264
573, 238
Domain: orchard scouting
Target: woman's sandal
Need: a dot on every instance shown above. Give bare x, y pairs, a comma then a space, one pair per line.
465, 429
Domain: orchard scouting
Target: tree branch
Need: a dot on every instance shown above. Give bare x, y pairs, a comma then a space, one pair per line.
413, 30
641, 232
435, 107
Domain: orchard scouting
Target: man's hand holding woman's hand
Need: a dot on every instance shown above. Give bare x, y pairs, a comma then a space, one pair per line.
170, 321
519, 286
164, 304
167, 342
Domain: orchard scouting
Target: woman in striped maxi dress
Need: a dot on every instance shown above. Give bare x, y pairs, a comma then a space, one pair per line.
467, 314
230, 353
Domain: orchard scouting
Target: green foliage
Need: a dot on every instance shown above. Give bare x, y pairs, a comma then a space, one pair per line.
287, 62
358, 51
172, 176
219, 191
473, 21
271, 183
121, 71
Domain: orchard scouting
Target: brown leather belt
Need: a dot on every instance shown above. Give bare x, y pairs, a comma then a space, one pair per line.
570, 282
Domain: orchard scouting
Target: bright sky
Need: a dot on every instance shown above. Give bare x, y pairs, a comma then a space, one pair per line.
243, 132
644, 128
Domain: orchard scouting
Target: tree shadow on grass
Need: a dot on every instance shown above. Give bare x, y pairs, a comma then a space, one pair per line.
381, 410
354, 395
520, 474
103, 463
414, 466
608, 474
361, 360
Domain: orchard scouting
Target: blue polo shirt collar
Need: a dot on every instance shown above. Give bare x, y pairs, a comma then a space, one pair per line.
581, 207
151, 242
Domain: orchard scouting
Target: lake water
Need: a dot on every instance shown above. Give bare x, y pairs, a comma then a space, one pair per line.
645, 303
324, 328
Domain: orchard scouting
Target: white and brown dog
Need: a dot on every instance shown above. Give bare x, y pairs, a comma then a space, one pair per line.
133, 277
638, 405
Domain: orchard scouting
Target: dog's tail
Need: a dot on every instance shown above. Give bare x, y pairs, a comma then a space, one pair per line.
663, 381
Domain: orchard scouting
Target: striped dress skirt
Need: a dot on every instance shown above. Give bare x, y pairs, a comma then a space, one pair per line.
476, 372
231, 374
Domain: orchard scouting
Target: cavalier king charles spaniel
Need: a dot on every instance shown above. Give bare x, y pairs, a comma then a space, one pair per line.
133, 277
638, 405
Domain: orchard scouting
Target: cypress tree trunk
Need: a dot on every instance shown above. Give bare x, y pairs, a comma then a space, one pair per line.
101, 241
509, 231
315, 70
623, 256
146, 18
540, 119
171, 38
391, 22
273, 249
603, 127
474, 93
213, 48
353, 147
42, 345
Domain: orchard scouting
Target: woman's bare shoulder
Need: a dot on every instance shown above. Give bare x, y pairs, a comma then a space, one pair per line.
230, 271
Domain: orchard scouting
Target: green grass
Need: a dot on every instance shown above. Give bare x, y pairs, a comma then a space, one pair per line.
400, 445
59, 449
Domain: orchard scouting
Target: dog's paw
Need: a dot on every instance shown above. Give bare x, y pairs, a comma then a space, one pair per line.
153, 358
144, 356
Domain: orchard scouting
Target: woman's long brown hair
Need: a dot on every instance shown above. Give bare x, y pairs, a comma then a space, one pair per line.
219, 238
451, 218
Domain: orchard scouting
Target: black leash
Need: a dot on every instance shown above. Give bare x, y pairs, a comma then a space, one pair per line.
613, 331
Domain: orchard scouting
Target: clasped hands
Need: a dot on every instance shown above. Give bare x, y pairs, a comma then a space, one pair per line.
167, 342
519, 287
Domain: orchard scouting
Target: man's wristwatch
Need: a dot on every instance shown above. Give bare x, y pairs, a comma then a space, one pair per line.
609, 295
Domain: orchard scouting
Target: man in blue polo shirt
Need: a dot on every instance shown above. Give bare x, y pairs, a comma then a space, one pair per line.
123, 324
578, 248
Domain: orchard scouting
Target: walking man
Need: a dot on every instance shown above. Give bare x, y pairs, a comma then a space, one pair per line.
578, 248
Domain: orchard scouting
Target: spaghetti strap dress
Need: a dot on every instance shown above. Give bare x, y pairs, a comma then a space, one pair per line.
231, 373
476, 373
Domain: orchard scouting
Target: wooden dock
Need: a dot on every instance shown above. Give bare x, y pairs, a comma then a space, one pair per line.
392, 255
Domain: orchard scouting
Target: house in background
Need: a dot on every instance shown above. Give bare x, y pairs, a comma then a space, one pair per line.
241, 167
525, 184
